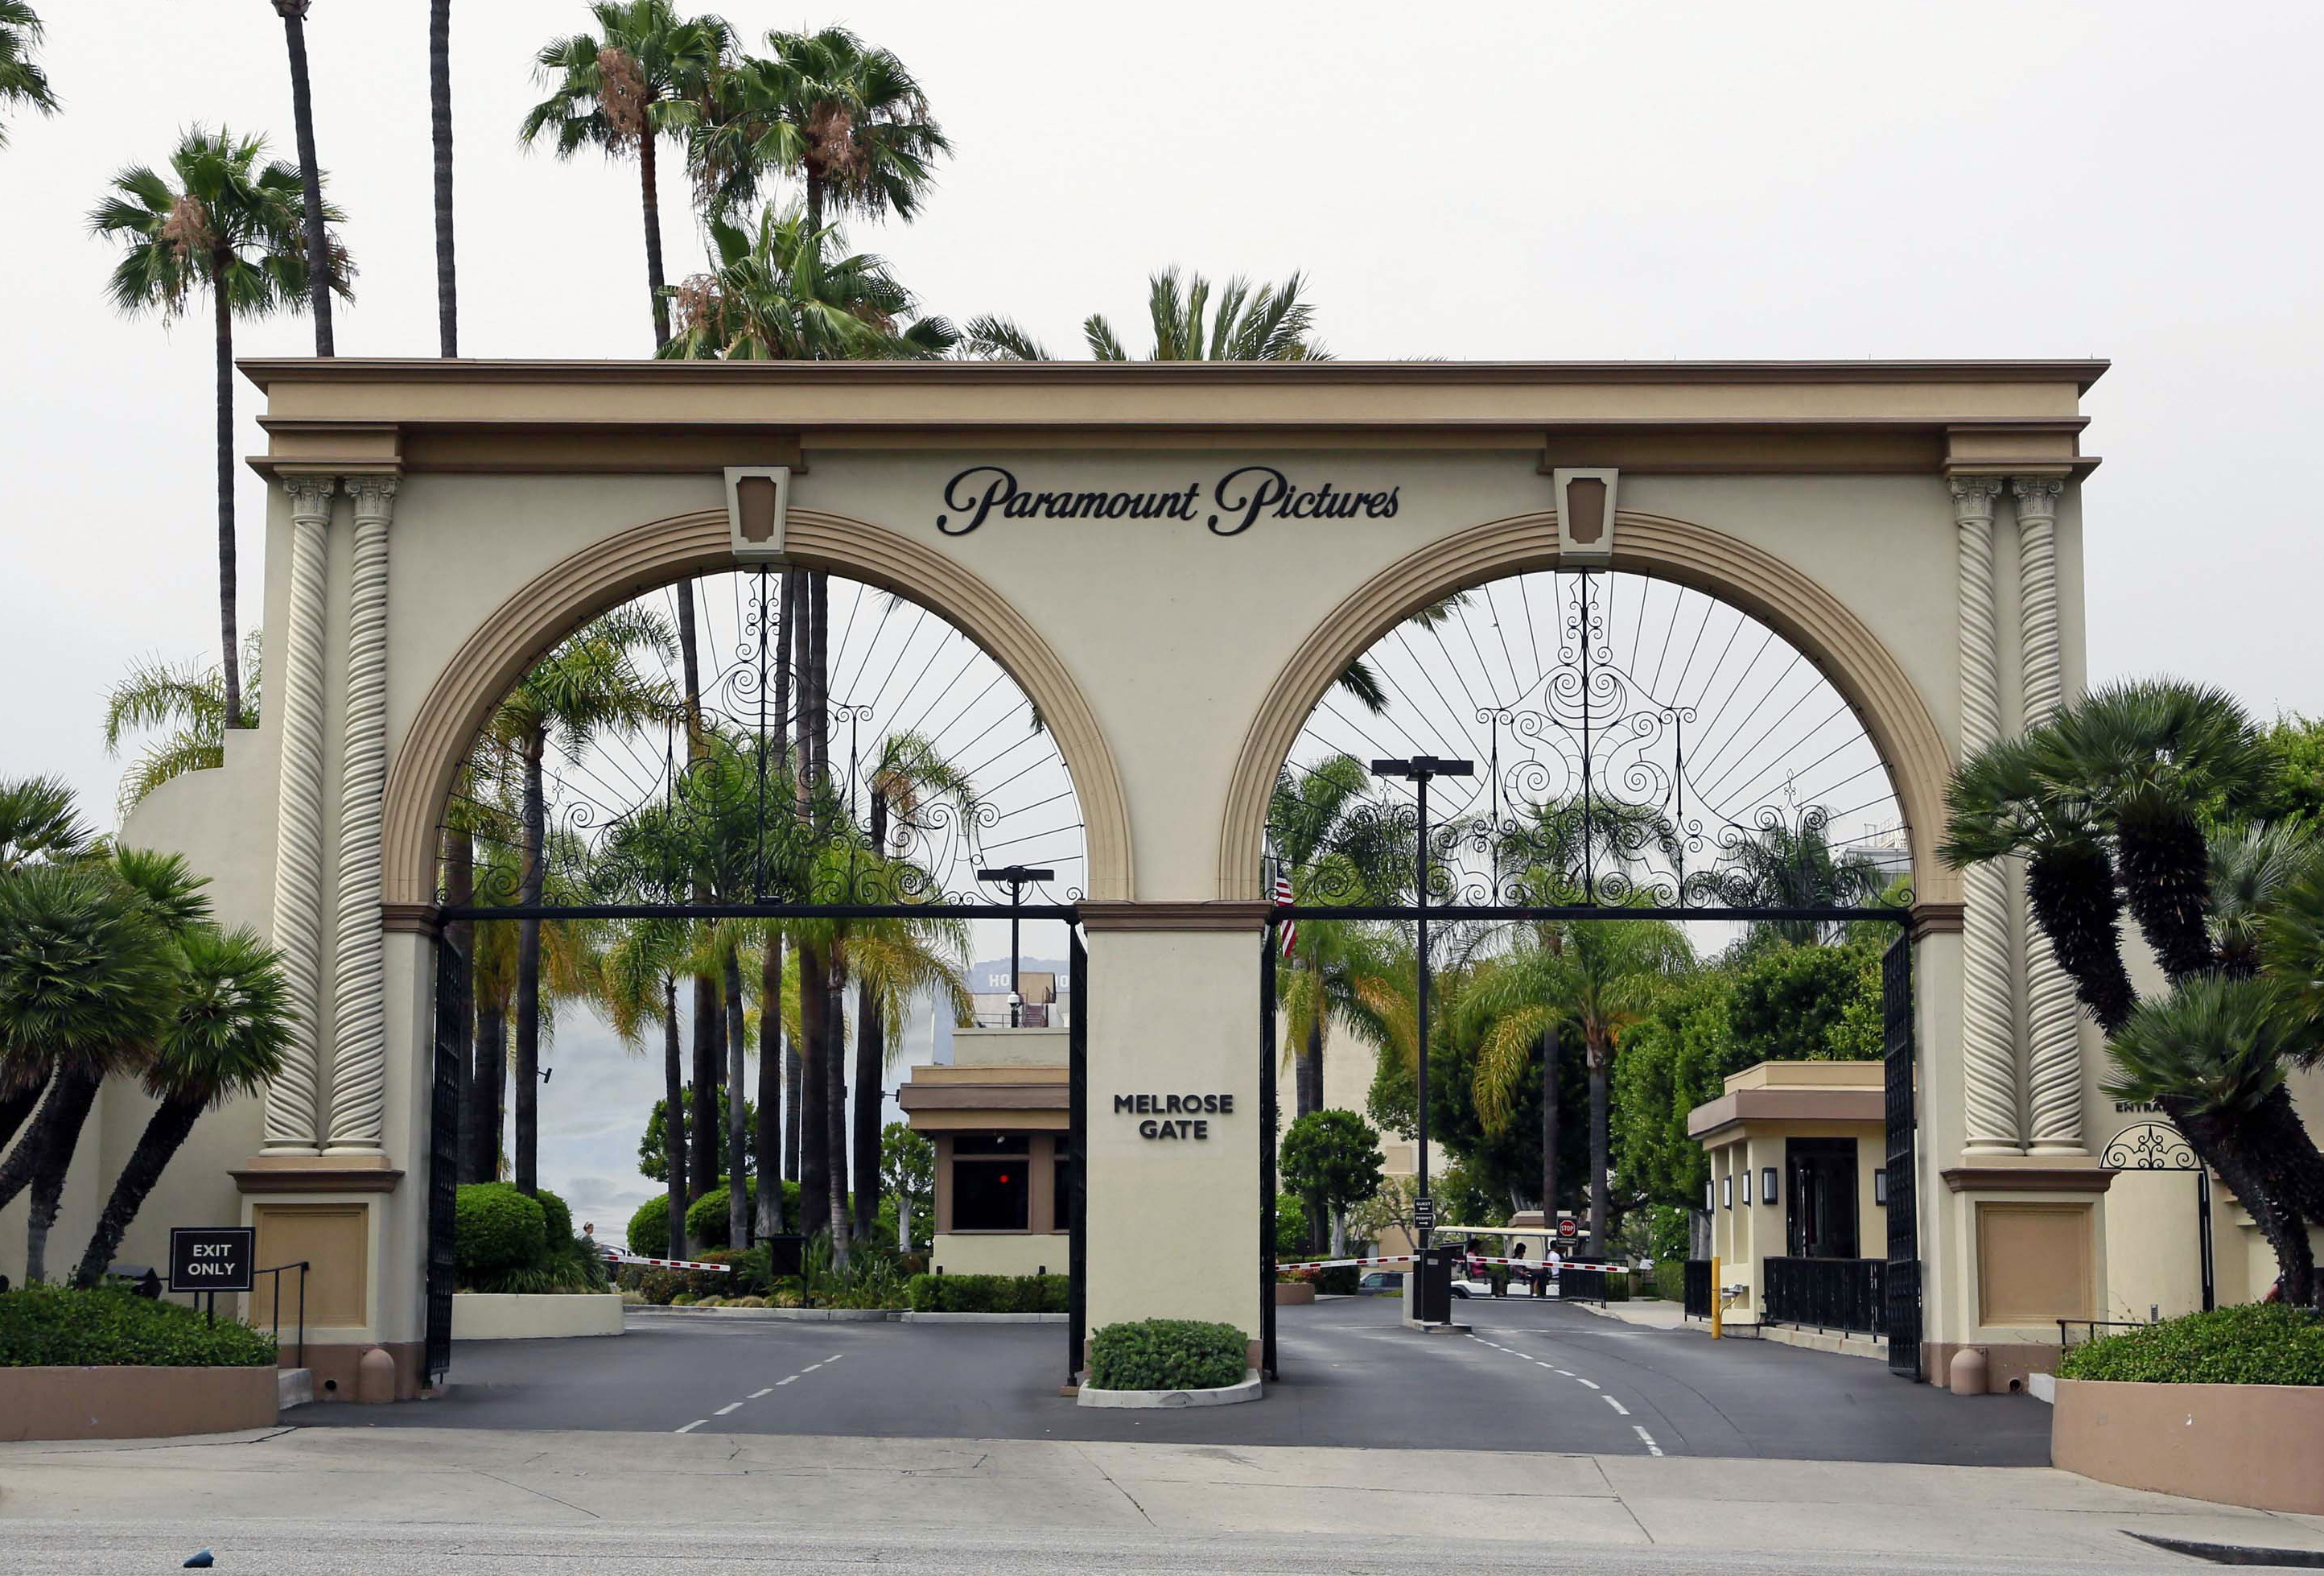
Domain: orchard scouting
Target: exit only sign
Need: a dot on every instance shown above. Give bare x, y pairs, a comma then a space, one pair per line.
211, 1259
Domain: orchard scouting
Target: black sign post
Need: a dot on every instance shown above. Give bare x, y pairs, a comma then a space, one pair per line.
213, 1259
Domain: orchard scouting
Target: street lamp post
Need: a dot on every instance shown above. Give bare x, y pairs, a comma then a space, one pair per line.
1418, 770
1018, 877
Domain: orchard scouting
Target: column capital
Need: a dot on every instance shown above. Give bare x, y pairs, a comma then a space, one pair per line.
1973, 498
374, 493
2037, 496
311, 494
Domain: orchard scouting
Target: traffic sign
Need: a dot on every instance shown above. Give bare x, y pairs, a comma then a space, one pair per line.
212, 1258
1565, 1227
1424, 1212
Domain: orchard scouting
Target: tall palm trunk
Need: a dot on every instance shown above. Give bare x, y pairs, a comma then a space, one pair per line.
1307, 1078
528, 967
770, 1136
19, 1104
24, 1162
673, 1124
835, 1105
488, 1090
1599, 1201
165, 1133
870, 1069
794, 1077
815, 1134
439, 127
1550, 1057
738, 1135
460, 937
703, 1170
652, 198
55, 1133
795, 1058
230, 668
302, 119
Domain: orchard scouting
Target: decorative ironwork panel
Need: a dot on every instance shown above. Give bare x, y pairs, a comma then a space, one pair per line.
1901, 1290
444, 1154
929, 766
1698, 1288
1635, 741
2150, 1146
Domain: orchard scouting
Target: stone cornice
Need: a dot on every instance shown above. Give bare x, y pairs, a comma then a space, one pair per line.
2026, 1179
1174, 916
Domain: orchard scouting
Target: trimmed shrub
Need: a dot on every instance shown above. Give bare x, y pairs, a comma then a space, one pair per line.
705, 1218
989, 1294
2252, 1343
1670, 1279
556, 1218
1167, 1353
661, 1287
648, 1233
55, 1327
1617, 1285
496, 1227
1339, 1281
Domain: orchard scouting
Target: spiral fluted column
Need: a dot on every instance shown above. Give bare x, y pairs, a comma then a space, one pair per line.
292, 1118
358, 987
2053, 1044
1988, 1043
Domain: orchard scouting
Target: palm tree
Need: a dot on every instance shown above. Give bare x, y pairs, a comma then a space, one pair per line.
87, 986
439, 131
1781, 866
642, 77
1273, 322
641, 974
1339, 846
39, 821
2212, 1054
586, 685
293, 13
226, 1035
22, 81
1603, 977
847, 120
775, 296
187, 706
234, 227
904, 775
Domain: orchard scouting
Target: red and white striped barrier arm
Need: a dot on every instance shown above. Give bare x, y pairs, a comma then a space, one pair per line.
1407, 1259
615, 1255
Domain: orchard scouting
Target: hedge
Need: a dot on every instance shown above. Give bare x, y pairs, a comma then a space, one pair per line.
988, 1294
649, 1230
496, 1227
1167, 1353
56, 1327
1670, 1279
556, 1218
2252, 1343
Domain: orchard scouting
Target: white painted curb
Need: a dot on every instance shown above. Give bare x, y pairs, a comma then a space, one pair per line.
802, 1315
916, 1318
1249, 1390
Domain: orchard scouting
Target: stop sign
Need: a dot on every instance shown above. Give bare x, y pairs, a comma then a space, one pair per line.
1565, 1228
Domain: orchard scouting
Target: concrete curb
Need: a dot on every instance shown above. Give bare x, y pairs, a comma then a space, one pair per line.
293, 1387
795, 1315
1249, 1390
917, 1318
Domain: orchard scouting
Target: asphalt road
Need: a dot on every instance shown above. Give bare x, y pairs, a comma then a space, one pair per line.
1532, 1376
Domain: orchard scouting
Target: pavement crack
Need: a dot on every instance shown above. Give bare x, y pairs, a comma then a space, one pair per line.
1115, 1485
542, 1493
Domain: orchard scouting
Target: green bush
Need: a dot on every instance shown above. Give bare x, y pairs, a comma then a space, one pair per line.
1339, 1281
1617, 1285
55, 1327
1670, 1279
496, 1227
1167, 1353
648, 1234
2252, 1343
556, 1218
989, 1294
661, 1287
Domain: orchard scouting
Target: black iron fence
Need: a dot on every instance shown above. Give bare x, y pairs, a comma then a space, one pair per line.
1829, 1294
1699, 1289
1582, 1282
2092, 1329
274, 1323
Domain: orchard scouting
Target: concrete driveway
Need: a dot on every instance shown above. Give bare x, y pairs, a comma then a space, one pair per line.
1532, 1376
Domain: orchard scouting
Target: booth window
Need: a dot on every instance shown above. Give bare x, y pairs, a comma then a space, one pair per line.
1063, 1194
990, 1190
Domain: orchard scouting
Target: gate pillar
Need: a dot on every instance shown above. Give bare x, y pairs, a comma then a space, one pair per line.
1174, 1126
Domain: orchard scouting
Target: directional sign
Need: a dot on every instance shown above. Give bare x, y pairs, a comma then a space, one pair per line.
1424, 1212
212, 1258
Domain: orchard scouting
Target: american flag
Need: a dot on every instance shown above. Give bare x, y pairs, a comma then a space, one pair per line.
1283, 896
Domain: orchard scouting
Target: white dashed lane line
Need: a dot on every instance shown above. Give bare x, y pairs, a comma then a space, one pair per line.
1617, 1405
1645, 1438
767, 1390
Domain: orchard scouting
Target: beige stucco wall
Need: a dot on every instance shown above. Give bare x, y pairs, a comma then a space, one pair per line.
1002, 1253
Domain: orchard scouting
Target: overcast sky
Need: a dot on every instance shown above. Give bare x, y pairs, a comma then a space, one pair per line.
1543, 180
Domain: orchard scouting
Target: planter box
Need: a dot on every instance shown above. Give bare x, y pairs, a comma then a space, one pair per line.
515, 1316
1294, 1293
2255, 1445
1249, 1390
131, 1403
